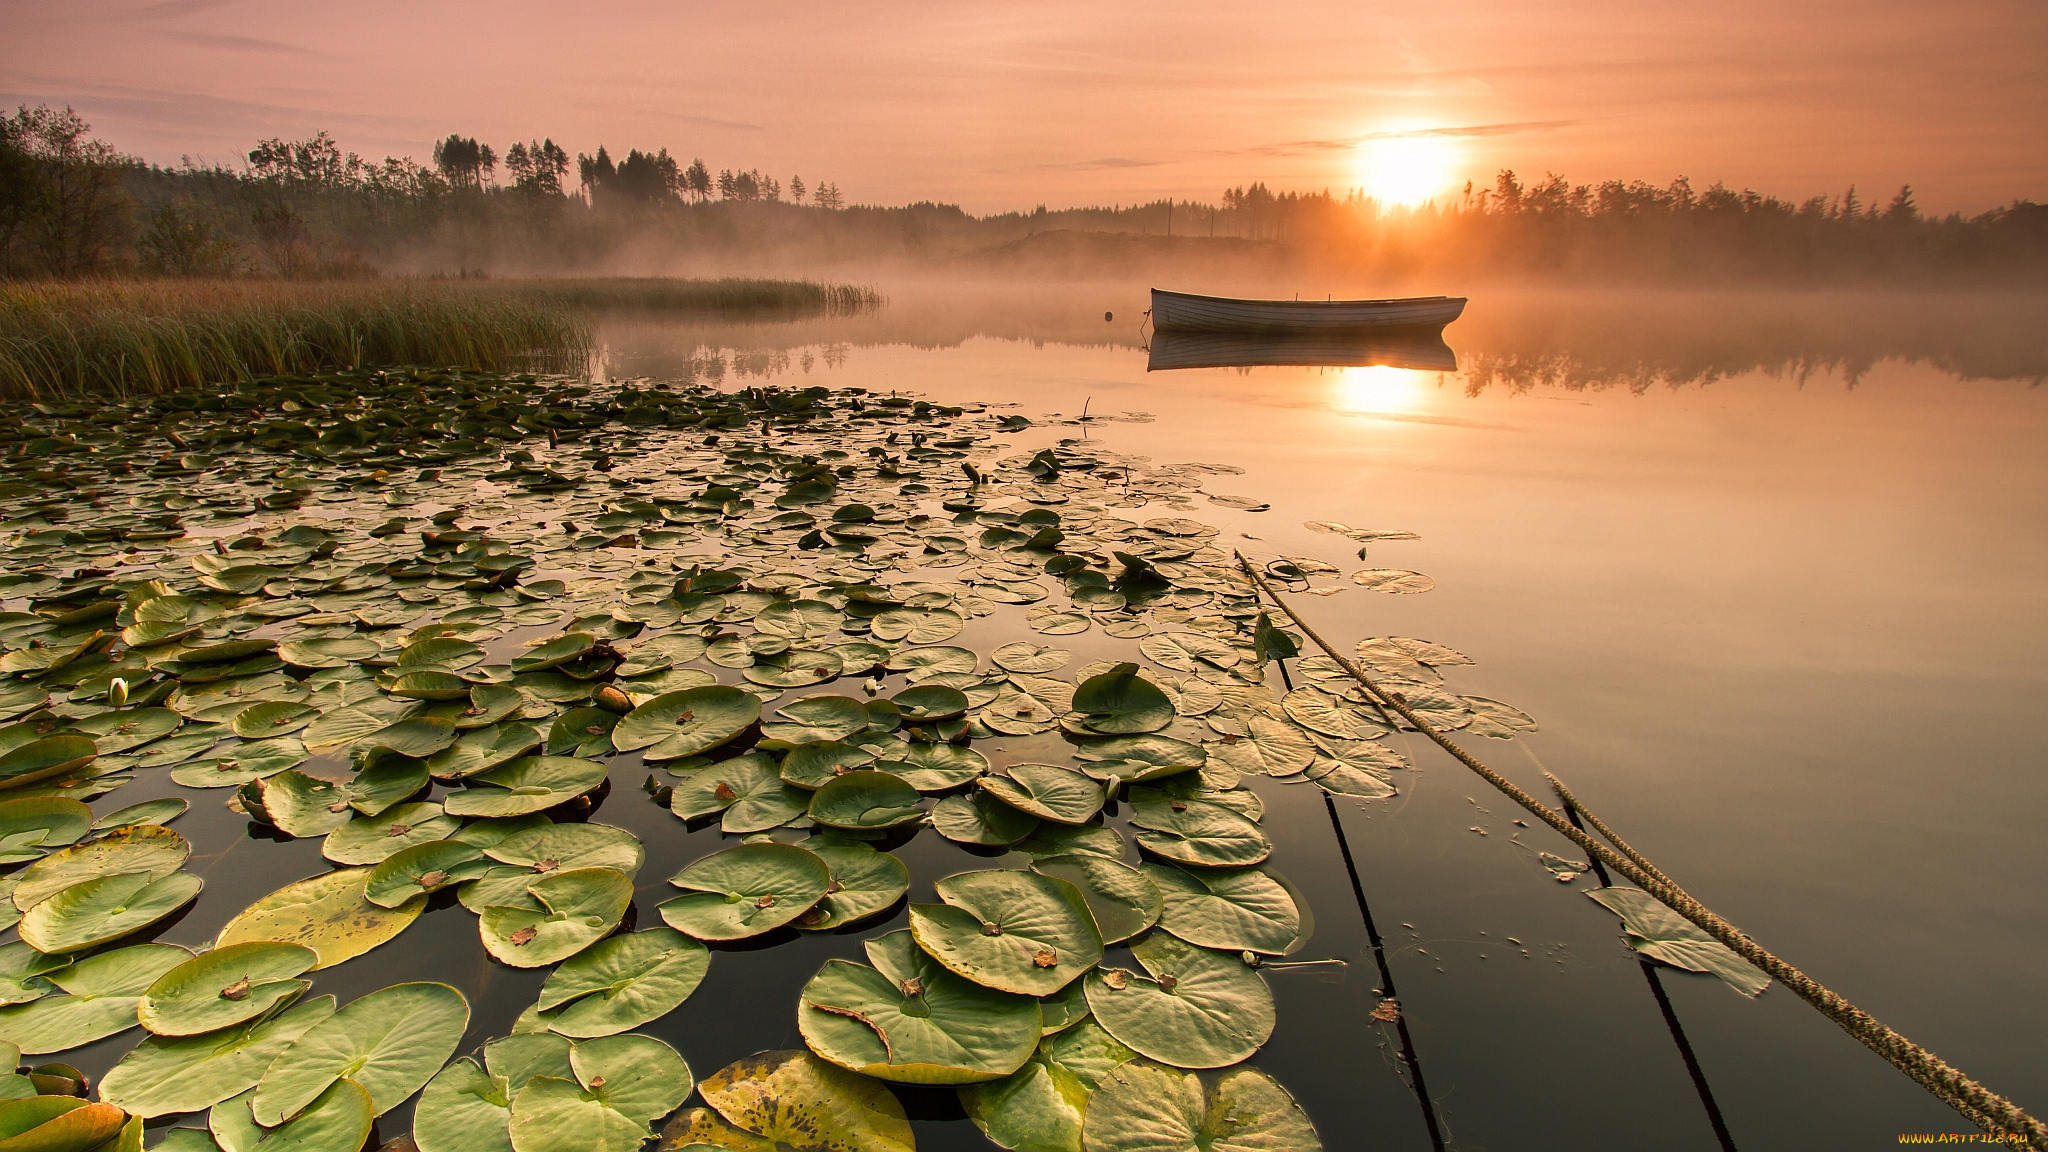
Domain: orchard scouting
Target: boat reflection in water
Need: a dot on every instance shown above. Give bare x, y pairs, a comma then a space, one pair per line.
1419, 349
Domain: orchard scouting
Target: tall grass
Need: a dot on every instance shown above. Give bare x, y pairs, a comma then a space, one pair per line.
125, 337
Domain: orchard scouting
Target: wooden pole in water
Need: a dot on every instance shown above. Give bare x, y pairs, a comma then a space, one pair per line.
1976, 1103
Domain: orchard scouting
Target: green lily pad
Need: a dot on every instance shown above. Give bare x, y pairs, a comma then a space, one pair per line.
979, 818
97, 998
271, 718
928, 702
579, 907
917, 627
1661, 934
521, 857
440, 652
171, 1074
1269, 747
551, 1114
748, 789
158, 812
31, 826
793, 1100
637, 1076
585, 732
554, 653
1145, 1105
63, 1124
1014, 931
745, 891
529, 784
624, 982
812, 766
465, 1109
864, 883
22, 969
1188, 651
241, 764
1064, 1008
1120, 760
1236, 909
327, 913
1121, 702
340, 1118
935, 767
373, 839
327, 651
678, 724
1039, 1107
939, 1028
866, 799
41, 759
1050, 793
423, 868
1061, 839
1122, 900
418, 737
1032, 659
1199, 834
122, 730
1320, 712
390, 1042
102, 910
817, 718
797, 668
430, 684
297, 804
1198, 1009
225, 987
483, 749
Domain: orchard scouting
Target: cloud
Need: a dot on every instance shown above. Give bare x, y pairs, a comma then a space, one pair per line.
232, 43
1104, 162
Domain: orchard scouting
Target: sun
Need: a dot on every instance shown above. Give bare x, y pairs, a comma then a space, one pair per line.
1381, 390
1407, 168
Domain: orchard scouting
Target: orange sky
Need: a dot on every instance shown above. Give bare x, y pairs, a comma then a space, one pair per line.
1003, 105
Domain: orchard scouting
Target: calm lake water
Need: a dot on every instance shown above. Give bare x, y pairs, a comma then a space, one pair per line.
1770, 576
1770, 573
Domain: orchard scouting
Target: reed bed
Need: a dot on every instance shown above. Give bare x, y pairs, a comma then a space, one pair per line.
726, 296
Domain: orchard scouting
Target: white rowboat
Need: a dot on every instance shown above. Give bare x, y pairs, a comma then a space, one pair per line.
1187, 312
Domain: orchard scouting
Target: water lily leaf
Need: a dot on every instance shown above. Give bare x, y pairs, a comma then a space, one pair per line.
225, 987
1050, 793
102, 910
1053, 621
1014, 931
483, 749
1026, 705
1198, 1009
42, 759
171, 1074
327, 913
927, 702
429, 684
585, 732
97, 999
1394, 580
1062, 839
866, 799
390, 1042
748, 789
31, 826
62, 1124
327, 651
979, 818
241, 764
624, 982
1122, 900
639, 1077
22, 969
864, 883
554, 653
1661, 934
297, 804
1030, 658
935, 767
464, 1109
817, 718
1235, 909
121, 730
522, 856
579, 907
529, 784
340, 1118
934, 626
271, 718
910, 1020
424, 868
678, 724
793, 1100
551, 1114
812, 766
418, 737
1145, 1105
797, 668
373, 839
158, 812
745, 891
1269, 747
1121, 702
1320, 712
1039, 1107
1339, 778
1201, 834
1188, 651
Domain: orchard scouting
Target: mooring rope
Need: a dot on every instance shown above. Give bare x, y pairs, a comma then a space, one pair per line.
1977, 1104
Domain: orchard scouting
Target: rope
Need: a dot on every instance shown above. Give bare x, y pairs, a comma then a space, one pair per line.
1977, 1104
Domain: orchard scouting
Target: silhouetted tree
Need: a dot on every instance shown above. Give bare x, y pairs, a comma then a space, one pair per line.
464, 162
796, 189
71, 209
537, 168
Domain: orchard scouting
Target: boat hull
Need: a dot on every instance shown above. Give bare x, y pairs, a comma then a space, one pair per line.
1187, 312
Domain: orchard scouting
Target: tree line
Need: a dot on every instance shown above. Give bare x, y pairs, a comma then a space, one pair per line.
72, 205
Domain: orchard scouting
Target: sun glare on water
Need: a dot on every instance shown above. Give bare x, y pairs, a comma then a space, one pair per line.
1407, 170
1381, 390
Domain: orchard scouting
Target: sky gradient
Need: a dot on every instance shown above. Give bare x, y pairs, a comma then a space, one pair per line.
1002, 106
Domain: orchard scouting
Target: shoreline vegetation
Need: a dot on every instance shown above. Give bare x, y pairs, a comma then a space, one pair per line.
122, 337
73, 206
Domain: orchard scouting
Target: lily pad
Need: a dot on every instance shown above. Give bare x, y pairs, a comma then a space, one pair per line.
812, 766
1394, 580
579, 907
529, 784
1145, 1105
910, 1020
159, 812
1017, 932
624, 982
1121, 702
1236, 909
865, 882
866, 799
97, 997
745, 891
793, 1100
797, 668
102, 910
372, 839
390, 1042
620, 1083
241, 764
678, 724
327, 913
748, 789
225, 987
41, 759
1034, 659
271, 718
979, 818
1661, 934
927, 702
1039, 1107
340, 1118
1198, 1008
1050, 793
935, 767
31, 826
297, 804
423, 868
483, 749
554, 653
817, 718
1199, 834
1122, 900
1269, 747
170, 1074
1188, 651
465, 1109
522, 856
1061, 839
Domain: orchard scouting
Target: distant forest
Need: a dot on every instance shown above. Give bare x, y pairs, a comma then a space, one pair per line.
73, 206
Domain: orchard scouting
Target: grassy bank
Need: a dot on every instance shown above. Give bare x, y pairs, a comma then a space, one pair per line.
126, 337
